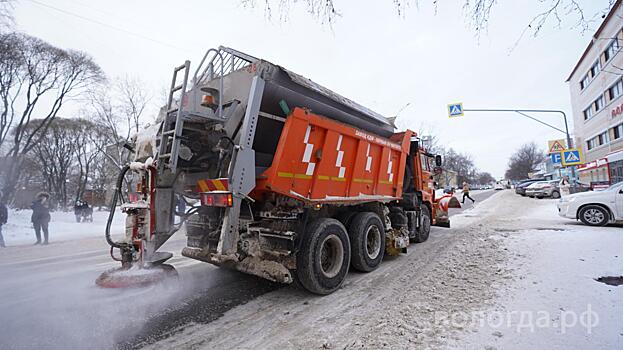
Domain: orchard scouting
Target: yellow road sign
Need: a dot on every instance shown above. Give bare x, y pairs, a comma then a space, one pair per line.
572, 157
556, 146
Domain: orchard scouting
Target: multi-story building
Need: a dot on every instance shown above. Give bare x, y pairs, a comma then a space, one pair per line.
596, 87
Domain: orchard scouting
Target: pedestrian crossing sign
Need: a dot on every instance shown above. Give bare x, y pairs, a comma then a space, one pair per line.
455, 110
572, 157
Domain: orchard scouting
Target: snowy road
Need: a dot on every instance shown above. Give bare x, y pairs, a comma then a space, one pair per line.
48, 300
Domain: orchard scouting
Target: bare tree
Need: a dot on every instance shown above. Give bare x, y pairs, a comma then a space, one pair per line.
54, 155
133, 98
88, 146
6, 14
484, 178
42, 78
477, 12
460, 163
524, 161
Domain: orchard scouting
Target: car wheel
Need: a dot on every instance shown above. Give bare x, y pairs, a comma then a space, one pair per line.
324, 258
594, 215
555, 194
367, 241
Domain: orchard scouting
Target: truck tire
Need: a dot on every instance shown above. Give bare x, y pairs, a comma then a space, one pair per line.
346, 218
420, 235
324, 258
594, 215
367, 241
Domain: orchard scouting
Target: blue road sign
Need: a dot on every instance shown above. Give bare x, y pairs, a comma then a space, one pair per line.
572, 157
455, 110
556, 158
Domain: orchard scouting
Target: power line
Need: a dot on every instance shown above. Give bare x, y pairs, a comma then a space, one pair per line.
138, 35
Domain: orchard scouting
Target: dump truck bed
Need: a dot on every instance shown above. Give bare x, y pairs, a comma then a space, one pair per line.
320, 160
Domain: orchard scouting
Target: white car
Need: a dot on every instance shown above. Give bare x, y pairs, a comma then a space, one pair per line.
499, 186
596, 208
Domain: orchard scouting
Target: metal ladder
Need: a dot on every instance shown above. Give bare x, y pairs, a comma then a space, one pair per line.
173, 123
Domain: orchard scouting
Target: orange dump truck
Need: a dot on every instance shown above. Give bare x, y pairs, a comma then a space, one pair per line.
281, 178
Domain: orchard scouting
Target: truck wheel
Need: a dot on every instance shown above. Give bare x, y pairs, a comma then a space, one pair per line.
346, 218
594, 215
367, 241
322, 262
420, 235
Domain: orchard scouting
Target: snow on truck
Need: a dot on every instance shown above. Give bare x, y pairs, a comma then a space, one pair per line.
284, 179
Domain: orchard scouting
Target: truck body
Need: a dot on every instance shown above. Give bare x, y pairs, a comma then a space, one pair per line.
284, 179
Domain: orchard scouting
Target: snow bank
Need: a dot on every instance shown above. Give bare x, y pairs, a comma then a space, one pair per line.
63, 227
553, 297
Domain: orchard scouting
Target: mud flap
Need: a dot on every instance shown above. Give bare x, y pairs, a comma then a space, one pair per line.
442, 205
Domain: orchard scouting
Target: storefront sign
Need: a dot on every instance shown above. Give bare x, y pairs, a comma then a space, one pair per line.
594, 164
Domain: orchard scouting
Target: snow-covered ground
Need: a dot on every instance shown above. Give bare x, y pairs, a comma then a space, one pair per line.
508, 255
509, 274
552, 297
63, 226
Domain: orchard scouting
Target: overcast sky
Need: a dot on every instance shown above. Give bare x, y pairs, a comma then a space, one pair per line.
370, 55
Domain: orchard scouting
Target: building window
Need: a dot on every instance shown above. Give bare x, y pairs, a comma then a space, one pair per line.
590, 144
599, 103
602, 138
584, 82
595, 69
611, 50
588, 113
615, 90
617, 132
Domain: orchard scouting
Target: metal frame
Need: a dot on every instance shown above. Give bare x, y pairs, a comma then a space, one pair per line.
241, 170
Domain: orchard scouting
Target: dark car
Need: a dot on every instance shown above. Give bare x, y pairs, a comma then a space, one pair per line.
520, 188
578, 187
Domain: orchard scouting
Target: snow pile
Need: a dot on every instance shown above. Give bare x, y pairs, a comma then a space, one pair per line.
63, 227
554, 297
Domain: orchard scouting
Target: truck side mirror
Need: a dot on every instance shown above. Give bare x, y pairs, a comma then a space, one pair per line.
438, 161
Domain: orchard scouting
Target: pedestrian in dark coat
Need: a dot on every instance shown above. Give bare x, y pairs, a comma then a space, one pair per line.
41, 216
4, 216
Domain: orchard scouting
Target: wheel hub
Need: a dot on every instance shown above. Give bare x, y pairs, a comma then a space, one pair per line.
373, 242
331, 256
593, 216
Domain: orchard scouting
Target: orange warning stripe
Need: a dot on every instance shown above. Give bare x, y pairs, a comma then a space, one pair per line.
209, 185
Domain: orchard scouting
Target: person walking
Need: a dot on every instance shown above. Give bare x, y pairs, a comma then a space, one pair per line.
565, 186
41, 216
4, 216
466, 193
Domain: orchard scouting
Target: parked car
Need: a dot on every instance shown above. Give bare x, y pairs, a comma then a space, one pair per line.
594, 208
520, 188
578, 187
542, 189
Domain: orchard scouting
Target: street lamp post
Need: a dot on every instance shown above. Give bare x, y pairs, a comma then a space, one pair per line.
523, 113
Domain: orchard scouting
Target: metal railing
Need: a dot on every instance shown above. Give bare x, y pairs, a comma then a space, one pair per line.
216, 63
